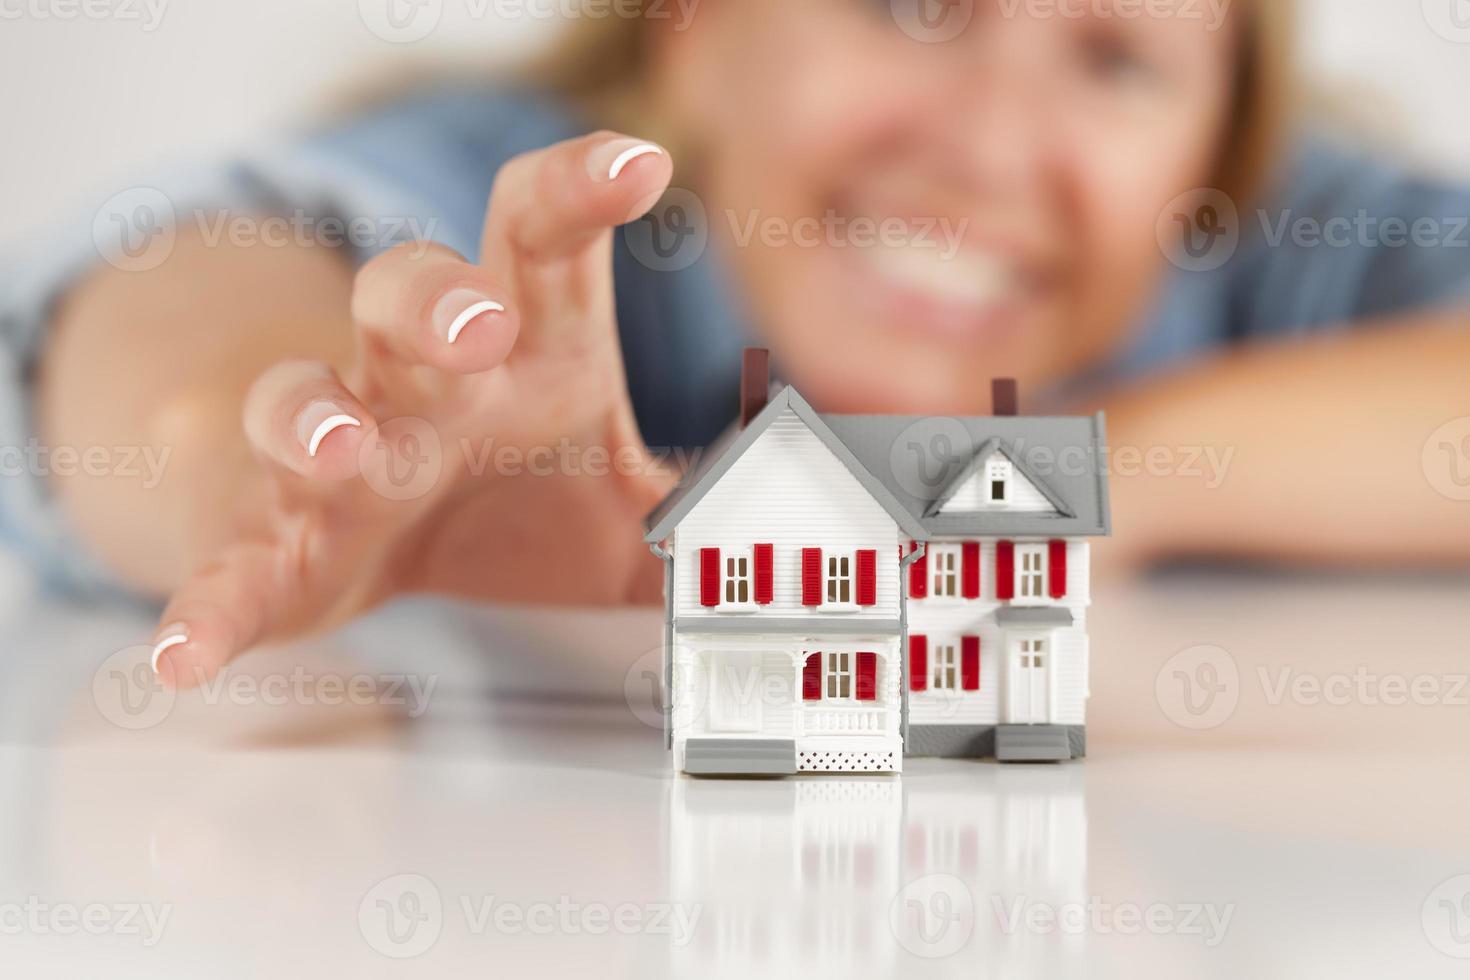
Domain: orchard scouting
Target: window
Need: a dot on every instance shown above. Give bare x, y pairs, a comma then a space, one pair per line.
944, 564
839, 675
1031, 570
998, 475
839, 579
944, 671
1033, 653
738, 583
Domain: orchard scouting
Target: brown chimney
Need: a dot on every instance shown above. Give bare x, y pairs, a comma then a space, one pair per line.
1005, 396
755, 383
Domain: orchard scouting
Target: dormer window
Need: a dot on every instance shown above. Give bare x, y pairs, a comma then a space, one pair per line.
998, 478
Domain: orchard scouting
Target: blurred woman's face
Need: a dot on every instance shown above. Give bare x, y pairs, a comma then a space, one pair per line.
909, 219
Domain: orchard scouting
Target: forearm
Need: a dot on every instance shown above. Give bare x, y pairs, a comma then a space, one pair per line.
1311, 451
157, 364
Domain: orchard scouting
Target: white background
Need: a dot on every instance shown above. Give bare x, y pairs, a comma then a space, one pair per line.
90, 102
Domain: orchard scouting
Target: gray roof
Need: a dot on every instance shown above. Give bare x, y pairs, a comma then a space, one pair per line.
923, 461
913, 465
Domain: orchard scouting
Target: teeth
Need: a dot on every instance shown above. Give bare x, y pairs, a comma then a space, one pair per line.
969, 278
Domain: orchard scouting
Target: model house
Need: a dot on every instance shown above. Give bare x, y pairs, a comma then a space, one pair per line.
844, 589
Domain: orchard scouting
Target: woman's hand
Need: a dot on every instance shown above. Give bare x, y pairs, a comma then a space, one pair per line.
504, 378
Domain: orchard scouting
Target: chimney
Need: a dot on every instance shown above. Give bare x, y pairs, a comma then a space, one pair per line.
755, 383
1005, 397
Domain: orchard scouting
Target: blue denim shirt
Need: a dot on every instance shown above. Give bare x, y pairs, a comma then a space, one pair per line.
425, 165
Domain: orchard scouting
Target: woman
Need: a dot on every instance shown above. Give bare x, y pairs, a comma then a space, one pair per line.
1050, 148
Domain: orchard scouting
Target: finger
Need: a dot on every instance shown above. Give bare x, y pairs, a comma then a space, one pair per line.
222, 611
424, 304
301, 416
555, 203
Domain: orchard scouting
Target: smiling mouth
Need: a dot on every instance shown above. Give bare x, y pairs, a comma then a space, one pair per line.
970, 294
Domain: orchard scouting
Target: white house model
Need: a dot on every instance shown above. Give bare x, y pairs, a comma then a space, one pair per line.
844, 589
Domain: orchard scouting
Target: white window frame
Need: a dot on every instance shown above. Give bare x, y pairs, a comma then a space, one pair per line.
946, 567
839, 671
1031, 572
944, 665
998, 469
731, 560
832, 583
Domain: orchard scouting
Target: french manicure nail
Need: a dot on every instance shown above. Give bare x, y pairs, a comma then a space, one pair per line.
319, 420
458, 309
173, 635
608, 161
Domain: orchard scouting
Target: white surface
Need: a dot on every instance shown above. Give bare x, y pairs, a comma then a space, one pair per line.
1331, 834
104, 98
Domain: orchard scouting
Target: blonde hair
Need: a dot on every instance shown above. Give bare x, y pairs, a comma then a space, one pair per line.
602, 65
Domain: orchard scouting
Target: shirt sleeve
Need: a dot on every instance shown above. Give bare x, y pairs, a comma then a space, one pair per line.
1351, 239
1342, 241
421, 168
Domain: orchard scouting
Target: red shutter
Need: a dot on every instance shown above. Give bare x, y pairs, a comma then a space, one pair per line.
918, 663
709, 576
765, 586
918, 575
1057, 569
811, 576
867, 677
970, 570
867, 578
811, 678
1005, 570
970, 663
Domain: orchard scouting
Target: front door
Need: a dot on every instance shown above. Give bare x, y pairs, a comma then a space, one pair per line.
1028, 681
735, 702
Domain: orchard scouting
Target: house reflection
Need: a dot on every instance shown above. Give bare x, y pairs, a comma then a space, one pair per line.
837, 876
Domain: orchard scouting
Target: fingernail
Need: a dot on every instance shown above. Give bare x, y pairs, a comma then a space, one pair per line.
319, 420
173, 635
610, 159
458, 309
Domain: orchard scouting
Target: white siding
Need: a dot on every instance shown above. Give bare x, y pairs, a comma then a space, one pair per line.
783, 713
940, 619
790, 491
974, 495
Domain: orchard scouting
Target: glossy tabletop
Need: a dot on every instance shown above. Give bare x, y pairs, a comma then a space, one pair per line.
1276, 787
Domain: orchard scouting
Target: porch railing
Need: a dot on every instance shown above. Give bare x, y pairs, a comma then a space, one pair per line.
846, 720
